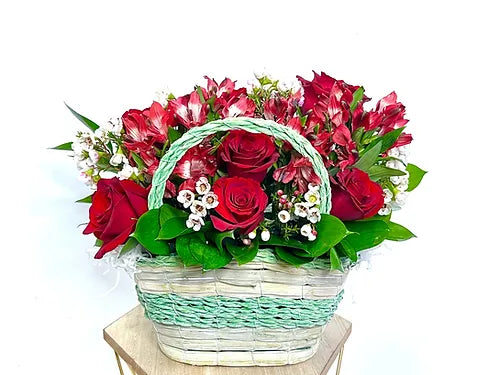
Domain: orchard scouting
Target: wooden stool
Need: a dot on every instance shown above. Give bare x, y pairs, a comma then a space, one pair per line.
133, 339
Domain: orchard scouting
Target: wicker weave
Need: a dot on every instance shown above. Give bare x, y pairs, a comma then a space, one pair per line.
264, 313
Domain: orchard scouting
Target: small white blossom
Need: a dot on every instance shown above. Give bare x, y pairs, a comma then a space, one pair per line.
202, 186
312, 198
394, 152
194, 221
284, 216
117, 159
314, 215
127, 171
84, 165
114, 126
199, 208
395, 180
210, 200
186, 197
311, 237
252, 234
313, 187
301, 210
247, 241
387, 195
265, 235
93, 156
306, 230
385, 210
401, 198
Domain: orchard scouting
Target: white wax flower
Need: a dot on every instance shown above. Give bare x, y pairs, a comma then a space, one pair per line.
284, 216
312, 198
117, 159
127, 171
300, 209
385, 210
265, 235
186, 197
107, 174
314, 215
199, 208
253, 234
210, 200
202, 186
306, 230
401, 198
387, 195
194, 221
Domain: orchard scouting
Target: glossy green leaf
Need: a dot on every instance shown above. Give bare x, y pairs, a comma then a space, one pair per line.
174, 227
288, 256
335, 262
385, 218
138, 161
346, 249
390, 138
243, 254
88, 123
356, 97
280, 241
376, 172
183, 250
146, 232
195, 248
173, 134
397, 232
87, 199
168, 212
366, 234
416, 175
369, 157
64, 147
218, 237
129, 245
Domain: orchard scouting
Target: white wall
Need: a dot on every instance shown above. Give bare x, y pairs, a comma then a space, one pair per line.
427, 307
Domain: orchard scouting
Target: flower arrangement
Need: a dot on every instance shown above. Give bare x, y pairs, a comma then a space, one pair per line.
239, 190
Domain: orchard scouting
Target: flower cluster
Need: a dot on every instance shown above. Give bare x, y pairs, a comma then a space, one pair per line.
199, 201
236, 184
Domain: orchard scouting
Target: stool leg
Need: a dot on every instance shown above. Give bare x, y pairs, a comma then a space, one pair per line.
119, 363
339, 360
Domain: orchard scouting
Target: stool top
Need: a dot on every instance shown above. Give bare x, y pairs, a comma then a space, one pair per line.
132, 336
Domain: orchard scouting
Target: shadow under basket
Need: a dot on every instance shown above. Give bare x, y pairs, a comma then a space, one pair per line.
263, 313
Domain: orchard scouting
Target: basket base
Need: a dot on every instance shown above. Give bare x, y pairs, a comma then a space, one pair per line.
239, 358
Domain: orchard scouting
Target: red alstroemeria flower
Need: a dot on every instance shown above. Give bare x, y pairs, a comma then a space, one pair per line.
242, 106
196, 162
279, 109
320, 87
160, 119
299, 171
335, 108
229, 102
189, 110
214, 89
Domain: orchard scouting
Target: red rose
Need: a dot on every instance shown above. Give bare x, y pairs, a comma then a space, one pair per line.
247, 154
241, 204
116, 206
355, 196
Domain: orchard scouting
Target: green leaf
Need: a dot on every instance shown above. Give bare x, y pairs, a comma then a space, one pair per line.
98, 242
195, 248
173, 134
390, 138
366, 234
88, 123
330, 231
168, 212
356, 136
335, 262
182, 249
129, 245
385, 218
243, 254
146, 232
345, 248
290, 257
397, 232
356, 97
416, 175
138, 161
218, 237
376, 172
369, 157
64, 147
174, 227
87, 199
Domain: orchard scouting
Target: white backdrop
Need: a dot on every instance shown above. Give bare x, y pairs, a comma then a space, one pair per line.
428, 306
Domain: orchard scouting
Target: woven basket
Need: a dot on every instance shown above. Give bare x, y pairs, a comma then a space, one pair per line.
263, 313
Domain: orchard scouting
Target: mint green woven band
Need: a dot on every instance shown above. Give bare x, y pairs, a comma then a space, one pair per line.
229, 312
195, 135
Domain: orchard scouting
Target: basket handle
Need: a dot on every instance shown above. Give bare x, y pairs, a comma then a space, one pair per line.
194, 136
